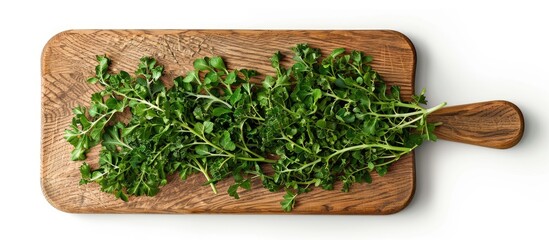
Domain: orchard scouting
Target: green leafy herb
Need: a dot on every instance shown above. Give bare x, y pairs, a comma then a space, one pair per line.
327, 119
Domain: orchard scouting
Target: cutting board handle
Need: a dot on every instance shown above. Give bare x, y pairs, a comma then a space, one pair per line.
495, 124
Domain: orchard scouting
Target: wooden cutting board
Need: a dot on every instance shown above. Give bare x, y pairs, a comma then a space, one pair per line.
68, 59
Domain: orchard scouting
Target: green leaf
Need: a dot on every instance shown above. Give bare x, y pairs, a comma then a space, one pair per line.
247, 87
300, 67
231, 78
236, 96
262, 98
275, 60
208, 127
413, 140
128, 130
371, 166
78, 153
199, 127
283, 81
218, 111
96, 176
72, 135
150, 114
321, 123
103, 63
269, 82
248, 73
139, 109
356, 56
211, 77
246, 184
157, 87
198, 114
94, 110
202, 150
201, 64
381, 170
190, 77
232, 190
92, 80
317, 94
370, 126
226, 142
112, 103
111, 138
84, 121
337, 52
85, 171
79, 110
288, 202
395, 92
217, 63
125, 75
122, 196
156, 73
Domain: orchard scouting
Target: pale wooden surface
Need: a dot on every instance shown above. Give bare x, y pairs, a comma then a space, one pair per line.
68, 60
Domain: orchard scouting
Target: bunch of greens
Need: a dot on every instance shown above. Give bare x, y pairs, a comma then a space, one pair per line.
326, 119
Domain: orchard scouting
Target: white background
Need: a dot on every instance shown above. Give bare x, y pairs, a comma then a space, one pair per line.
467, 52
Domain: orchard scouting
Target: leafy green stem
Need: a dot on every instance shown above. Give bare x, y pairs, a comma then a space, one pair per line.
140, 100
211, 97
110, 114
205, 173
365, 146
337, 98
262, 159
284, 137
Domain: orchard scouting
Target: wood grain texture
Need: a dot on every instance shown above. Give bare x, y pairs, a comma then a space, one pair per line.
68, 60
496, 124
